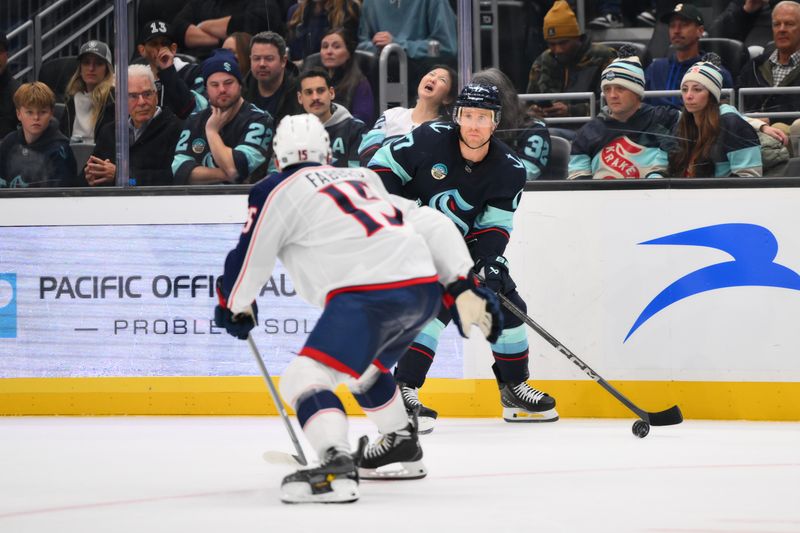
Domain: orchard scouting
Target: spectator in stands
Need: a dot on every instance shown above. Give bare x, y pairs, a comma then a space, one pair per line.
179, 85
778, 67
353, 90
153, 134
713, 140
90, 94
36, 154
610, 16
665, 74
231, 141
527, 136
203, 25
239, 43
316, 94
309, 21
628, 140
437, 90
739, 19
271, 84
8, 86
413, 25
571, 64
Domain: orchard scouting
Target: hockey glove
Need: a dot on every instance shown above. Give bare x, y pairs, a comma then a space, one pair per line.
238, 325
494, 271
470, 304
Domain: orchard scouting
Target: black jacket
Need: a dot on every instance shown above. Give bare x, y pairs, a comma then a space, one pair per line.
8, 113
47, 162
150, 155
758, 73
285, 104
106, 116
251, 16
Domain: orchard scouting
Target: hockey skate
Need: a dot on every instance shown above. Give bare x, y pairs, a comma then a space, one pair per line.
333, 481
426, 416
523, 403
396, 455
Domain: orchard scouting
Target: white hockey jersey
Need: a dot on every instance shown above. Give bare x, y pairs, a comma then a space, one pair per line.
336, 230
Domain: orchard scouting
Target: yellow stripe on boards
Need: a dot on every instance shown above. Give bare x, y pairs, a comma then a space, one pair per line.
451, 397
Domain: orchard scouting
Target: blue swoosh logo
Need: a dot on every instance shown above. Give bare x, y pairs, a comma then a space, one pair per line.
753, 249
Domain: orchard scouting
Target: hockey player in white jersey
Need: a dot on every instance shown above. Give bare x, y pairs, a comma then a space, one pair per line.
379, 266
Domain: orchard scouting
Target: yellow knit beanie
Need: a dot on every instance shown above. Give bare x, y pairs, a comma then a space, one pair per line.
560, 22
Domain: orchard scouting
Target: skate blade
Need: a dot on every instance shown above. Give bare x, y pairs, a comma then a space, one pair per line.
401, 470
425, 425
342, 491
514, 414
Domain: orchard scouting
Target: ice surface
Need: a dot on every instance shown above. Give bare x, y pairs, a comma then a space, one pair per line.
205, 474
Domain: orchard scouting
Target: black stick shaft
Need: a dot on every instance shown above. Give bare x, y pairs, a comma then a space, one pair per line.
277, 400
663, 418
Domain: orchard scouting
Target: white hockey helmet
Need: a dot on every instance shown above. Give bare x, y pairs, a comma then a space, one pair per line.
301, 139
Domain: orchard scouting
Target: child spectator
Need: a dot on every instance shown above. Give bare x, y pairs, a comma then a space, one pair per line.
37, 154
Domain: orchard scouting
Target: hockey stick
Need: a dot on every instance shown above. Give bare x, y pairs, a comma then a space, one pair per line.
278, 457
667, 417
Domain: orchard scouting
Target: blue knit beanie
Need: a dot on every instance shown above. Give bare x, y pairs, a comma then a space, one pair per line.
222, 60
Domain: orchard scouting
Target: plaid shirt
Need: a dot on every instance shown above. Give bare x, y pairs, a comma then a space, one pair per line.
779, 72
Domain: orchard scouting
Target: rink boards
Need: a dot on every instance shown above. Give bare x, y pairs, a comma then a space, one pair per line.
676, 296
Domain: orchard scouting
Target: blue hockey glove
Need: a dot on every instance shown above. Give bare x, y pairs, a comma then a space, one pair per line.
238, 325
470, 304
494, 271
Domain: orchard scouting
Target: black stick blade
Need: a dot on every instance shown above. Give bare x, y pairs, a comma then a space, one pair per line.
670, 417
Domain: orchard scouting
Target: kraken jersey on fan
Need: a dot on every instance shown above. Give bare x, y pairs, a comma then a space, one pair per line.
249, 134
426, 165
638, 148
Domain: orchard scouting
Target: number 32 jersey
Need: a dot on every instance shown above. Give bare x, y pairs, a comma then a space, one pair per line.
338, 230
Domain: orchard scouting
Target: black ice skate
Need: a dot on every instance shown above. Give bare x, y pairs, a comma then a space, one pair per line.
523, 403
334, 481
397, 455
426, 416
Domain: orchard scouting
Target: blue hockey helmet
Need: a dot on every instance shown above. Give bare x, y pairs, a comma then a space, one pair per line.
480, 96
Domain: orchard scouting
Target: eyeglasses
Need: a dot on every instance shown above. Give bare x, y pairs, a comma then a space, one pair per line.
144, 94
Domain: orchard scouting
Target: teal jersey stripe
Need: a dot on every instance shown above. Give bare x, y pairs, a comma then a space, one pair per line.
372, 138
254, 157
743, 162
383, 158
532, 171
178, 161
492, 217
429, 336
512, 341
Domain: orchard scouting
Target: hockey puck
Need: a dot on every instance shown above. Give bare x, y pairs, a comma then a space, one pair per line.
641, 428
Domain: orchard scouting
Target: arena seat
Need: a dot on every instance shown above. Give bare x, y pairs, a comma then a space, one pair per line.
81, 151
56, 72
733, 53
557, 167
641, 49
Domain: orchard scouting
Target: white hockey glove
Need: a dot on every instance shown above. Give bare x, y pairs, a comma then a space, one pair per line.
472, 305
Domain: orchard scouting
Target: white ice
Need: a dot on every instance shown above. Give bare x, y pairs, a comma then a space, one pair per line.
205, 474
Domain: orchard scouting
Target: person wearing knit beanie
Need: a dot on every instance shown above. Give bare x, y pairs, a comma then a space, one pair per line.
222, 60
712, 139
626, 72
706, 74
560, 22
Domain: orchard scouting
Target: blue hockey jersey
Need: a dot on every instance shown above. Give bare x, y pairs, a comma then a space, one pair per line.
426, 165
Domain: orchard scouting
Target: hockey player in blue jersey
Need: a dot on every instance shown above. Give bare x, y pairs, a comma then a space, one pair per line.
462, 170
379, 266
